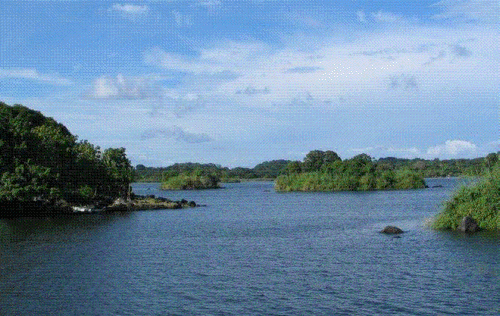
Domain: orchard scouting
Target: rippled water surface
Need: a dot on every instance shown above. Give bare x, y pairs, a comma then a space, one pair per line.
251, 251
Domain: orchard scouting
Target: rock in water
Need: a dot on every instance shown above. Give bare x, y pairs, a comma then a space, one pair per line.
468, 225
392, 230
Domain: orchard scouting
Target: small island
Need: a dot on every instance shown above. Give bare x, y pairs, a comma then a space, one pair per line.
479, 202
196, 180
326, 171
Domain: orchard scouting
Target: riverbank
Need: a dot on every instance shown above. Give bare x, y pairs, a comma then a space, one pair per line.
480, 202
63, 208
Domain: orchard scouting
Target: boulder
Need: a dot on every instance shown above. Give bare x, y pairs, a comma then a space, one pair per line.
391, 230
468, 225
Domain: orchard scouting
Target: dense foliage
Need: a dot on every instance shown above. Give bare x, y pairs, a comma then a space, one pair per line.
325, 171
194, 180
265, 170
270, 170
481, 201
40, 160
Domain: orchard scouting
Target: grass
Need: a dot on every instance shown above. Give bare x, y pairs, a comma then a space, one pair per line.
481, 201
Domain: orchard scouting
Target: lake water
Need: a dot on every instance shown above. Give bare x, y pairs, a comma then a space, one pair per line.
252, 251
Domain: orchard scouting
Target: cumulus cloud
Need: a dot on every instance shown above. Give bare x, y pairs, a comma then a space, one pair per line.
33, 74
177, 134
124, 87
452, 148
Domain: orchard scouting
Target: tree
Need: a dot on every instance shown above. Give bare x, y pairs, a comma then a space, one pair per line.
119, 170
490, 160
313, 161
293, 167
330, 157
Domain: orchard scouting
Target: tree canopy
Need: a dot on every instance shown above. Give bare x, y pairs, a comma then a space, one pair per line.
40, 160
325, 171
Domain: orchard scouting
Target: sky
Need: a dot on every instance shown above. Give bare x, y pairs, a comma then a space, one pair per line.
239, 82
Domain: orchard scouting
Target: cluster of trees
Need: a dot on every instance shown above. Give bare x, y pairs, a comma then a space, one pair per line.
41, 161
266, 170
270, 170
325, 171
480, 201
439, 168
196, 179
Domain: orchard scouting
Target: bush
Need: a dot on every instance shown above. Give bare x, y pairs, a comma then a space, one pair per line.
480, 201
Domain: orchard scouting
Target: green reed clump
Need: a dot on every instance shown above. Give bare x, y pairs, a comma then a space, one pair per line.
481, 201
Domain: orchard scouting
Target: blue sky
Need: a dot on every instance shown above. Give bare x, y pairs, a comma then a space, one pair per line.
243, 81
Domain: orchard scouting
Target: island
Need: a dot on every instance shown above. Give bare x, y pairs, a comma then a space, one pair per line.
196, 180
326, 171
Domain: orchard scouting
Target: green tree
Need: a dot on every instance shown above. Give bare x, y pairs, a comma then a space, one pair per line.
491, 160
119, 170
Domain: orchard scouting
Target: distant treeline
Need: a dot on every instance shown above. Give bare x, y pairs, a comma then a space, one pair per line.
270, 170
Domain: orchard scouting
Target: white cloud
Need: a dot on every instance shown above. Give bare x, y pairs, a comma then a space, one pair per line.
452, 148
400, 59
124, 87
182, 20
176, 133
386, 17
33, 74
486, 11
130, 10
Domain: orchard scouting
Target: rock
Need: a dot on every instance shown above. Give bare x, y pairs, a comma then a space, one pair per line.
468, 225
391, 230
192, 204
119, 205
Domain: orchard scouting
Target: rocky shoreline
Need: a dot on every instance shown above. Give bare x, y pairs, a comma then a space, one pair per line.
63, 208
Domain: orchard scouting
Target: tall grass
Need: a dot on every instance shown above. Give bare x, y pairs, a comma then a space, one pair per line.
480, 201
344, 181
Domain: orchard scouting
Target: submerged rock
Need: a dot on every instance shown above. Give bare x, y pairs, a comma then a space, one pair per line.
391, 230
468, 225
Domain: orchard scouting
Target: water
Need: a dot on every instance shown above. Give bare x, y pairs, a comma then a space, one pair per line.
251, 251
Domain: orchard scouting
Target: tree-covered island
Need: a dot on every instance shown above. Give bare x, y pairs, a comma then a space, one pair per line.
44, 169
326, 171
195, 180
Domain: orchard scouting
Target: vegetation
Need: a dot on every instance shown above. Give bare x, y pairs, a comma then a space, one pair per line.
481, 201
325, 171
270, 170
266, 170
41, 163
195, 180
